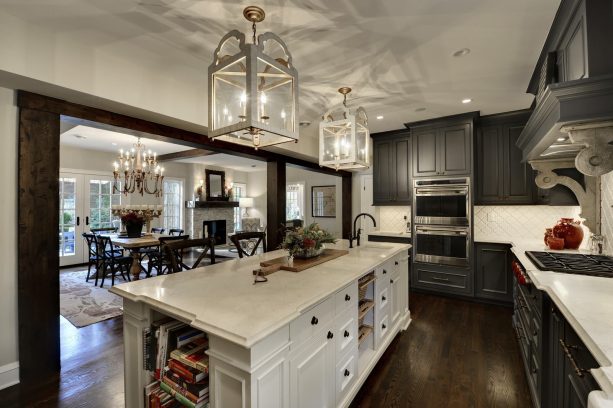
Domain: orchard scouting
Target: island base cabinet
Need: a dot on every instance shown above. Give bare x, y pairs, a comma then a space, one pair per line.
311, 373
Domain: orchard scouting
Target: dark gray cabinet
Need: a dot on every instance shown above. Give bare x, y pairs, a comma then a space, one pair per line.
493, 278
501, 177
569, 380
442, 279
392, 169
442, 151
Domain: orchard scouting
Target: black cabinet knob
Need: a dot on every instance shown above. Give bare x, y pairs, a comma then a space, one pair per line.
346, 334
383, 326
346, 373
391, 281
330, 335
384, 271
347, 298
395, 262
383, 298
314, 320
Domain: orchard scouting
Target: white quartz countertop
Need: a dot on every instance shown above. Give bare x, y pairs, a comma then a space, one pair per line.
222, 300
585, 301
397, 234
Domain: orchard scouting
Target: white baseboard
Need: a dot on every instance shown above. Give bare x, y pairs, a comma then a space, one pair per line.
9, 375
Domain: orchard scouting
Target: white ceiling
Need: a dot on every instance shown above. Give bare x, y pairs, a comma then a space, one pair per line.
395, 54
85, 137
228, 161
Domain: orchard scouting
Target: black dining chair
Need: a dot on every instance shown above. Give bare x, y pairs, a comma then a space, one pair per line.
173, 251
248, 243
175, 231
108, 230
92, 259
158, 260
108, 261
156, 230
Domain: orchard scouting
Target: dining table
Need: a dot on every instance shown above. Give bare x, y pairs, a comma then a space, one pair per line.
131, 244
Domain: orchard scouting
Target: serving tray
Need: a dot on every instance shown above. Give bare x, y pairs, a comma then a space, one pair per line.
300, 265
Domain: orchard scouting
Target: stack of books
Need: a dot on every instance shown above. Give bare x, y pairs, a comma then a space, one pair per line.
180, 366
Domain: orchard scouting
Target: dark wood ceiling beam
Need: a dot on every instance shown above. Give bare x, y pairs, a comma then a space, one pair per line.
185, 154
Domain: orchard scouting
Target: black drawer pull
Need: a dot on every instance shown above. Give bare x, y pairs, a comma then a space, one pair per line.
383, 298
395, 262
330, 335
347, 298
391, 281
566, 348
383, 326
384, 271
440, 279
346, 334
314, 320
346, 373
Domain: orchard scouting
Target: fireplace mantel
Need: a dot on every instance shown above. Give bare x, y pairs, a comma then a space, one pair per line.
211, 204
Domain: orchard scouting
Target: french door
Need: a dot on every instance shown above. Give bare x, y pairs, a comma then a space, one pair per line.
85, 203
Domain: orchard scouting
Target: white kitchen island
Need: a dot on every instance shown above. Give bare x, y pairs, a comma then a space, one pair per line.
289, 342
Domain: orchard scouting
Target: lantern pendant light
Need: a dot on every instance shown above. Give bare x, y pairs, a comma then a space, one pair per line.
344, 139
253, 89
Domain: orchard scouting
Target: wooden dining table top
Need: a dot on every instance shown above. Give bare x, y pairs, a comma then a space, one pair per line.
146, 240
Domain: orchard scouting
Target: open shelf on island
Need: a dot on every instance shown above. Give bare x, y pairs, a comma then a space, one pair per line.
365, 331
364, 306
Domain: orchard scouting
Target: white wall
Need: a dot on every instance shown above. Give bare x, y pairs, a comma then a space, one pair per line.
311, 178
9, 357
256, 188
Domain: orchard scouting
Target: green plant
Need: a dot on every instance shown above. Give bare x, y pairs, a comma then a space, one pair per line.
310, 237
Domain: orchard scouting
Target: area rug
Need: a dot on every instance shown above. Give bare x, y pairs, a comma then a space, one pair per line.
82, 303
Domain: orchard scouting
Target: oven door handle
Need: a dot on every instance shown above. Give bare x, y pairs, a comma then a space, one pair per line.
427, 192
441, 232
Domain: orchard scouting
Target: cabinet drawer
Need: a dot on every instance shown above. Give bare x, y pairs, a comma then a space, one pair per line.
442, 279
312, 320
385, 270
346, 333
346, 298
346, 374
383, 294
382, 326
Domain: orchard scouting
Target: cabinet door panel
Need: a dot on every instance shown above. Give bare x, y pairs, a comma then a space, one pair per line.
518, 177
382, 170
493, 278
312, 382
455, 150
489, 168
402, 155
425, 154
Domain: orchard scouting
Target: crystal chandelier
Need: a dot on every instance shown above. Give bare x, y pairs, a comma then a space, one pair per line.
141, 172
344, 139
253, 89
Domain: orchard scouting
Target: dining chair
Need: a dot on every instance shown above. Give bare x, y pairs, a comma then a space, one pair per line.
248, 243
156, 230
173, 250
175, 231
92, 259
109, 260
108, 230
158, 259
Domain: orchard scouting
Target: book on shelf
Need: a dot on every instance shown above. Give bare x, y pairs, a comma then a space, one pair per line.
187, 335
165, 340
193, 354
189, 374
182, 399
198, 389
200, 394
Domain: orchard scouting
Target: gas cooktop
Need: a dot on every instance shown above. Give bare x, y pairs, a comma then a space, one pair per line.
594, 265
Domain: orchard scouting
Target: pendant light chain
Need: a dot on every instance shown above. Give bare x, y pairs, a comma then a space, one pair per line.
253, 28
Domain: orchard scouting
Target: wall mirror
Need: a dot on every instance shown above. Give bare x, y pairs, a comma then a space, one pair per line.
215, 181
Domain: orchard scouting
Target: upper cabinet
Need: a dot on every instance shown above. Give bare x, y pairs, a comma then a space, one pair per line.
392, 169
501, 177
443, 147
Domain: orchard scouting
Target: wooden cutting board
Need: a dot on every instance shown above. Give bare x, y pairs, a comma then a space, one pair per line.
302, 264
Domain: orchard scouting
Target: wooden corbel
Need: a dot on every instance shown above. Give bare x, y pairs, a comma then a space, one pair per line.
596, 158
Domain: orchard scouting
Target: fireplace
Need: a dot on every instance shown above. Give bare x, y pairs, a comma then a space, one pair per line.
216, 229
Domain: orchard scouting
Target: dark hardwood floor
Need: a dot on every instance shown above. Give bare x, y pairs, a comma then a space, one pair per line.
455, 354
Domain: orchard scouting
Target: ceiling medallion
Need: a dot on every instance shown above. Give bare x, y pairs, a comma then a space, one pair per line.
344, 139
253, 88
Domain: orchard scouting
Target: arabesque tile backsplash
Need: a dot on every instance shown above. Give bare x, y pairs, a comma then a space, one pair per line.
392, 218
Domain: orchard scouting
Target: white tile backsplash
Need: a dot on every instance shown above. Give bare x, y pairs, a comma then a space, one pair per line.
607, 211
526, 221
392, 218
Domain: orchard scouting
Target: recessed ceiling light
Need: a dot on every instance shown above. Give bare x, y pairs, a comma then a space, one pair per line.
462, 52
561, 139
467, 100
380, 117
305, 123
80, 137
420, 109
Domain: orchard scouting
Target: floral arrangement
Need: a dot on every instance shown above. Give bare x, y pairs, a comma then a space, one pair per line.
307, 242
132, 218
